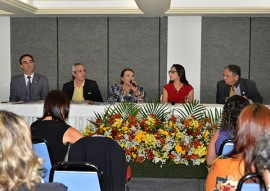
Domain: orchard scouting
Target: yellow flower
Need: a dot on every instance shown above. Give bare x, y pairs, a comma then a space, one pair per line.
179, 149
133, 155
117, 123
150, 140
206, 134
140, 136
200, 151
194, 123
171, 123
164, 132
125, 128
150, 121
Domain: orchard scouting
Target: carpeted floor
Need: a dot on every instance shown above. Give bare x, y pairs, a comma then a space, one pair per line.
166, 184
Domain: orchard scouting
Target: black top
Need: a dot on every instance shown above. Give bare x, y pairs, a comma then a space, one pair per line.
90, 90
53, 132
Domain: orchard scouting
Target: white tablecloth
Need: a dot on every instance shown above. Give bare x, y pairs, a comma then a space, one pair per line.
78, 115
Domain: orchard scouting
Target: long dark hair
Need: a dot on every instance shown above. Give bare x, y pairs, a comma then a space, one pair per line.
56, 105
231, 110
181, 73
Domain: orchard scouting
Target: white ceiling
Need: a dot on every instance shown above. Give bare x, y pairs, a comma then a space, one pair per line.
130, 7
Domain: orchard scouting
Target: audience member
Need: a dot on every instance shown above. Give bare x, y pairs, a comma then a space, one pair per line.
19, 165
262, 156
225, 172
28, 86
233, 84
178, 89
128, 90
80, 88
232, 108
52, 127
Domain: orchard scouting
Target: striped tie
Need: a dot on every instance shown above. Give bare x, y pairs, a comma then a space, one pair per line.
28, 89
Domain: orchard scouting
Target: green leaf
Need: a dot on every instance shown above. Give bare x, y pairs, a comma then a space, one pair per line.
159, 109
215, 117
191, 108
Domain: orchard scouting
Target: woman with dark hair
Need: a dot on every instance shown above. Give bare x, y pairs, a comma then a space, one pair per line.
232, 108
178, 89
128, 90
225, 172
52, 127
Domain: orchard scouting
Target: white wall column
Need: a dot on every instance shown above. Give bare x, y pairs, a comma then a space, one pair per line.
5, 72
184, 47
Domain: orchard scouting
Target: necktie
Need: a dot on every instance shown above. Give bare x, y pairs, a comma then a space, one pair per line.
28, 89
231, 91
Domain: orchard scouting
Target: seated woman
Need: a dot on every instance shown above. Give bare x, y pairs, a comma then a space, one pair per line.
262, 156
225, 172
232, 108
128, 90
178, 89
19, 165
52, 126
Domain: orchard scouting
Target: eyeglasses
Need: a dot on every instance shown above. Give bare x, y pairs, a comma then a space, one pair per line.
80, 71
171, 71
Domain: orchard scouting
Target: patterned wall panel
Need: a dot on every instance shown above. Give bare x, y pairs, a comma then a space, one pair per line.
260, 55
83, 40
135, 43
38, 37
225, 40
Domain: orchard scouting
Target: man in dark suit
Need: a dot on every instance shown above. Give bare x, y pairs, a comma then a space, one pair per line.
80, 89
233, 84
28, 86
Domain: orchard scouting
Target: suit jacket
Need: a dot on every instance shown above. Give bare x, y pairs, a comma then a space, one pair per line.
39, 88
247, 88
90, 90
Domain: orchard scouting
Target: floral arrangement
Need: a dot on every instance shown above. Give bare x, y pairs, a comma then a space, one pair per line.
155, 134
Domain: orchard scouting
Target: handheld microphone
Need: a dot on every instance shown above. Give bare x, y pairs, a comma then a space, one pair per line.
133, 84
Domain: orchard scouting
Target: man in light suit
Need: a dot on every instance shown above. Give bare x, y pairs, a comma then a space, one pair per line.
80, 89
39, 87
233, 83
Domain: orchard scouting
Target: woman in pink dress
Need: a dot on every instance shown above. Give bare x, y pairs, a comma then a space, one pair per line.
178, 89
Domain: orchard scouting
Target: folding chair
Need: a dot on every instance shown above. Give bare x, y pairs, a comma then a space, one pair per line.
243, 186
42, 150
108, 155
80, 176
226, 147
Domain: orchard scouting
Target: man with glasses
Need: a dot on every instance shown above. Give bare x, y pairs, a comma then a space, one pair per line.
80, 89
28, 86
233, 84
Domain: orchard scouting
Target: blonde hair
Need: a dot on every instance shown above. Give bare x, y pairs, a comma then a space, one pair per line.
18, 163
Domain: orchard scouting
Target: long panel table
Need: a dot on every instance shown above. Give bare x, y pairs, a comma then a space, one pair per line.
79, 113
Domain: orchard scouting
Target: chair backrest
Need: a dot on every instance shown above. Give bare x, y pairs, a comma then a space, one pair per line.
80, 176
42, 150
226, 147
247, 186
107, 154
